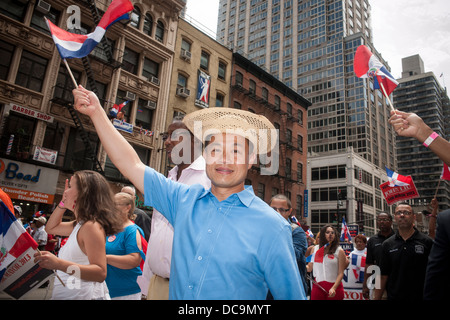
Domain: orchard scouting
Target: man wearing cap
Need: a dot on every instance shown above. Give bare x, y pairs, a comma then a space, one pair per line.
18, 213
39, 234
228, 243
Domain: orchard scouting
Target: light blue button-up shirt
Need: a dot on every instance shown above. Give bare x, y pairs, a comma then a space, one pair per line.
234, 249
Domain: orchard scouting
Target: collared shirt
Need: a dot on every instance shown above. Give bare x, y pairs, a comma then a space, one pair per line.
237, 248
405, 262
159, 250
374, 248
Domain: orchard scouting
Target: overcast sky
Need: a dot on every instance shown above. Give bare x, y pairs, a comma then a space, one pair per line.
401, 28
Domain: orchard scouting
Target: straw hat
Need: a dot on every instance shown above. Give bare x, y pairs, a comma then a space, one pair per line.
256, 128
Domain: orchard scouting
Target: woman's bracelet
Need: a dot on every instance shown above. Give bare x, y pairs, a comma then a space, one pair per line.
61, 205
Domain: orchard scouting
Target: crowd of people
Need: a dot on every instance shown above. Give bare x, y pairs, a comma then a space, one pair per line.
212, 238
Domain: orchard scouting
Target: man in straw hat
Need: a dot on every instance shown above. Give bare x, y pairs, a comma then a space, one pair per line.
228, 243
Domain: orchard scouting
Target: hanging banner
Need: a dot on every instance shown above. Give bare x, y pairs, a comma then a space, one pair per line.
203, 88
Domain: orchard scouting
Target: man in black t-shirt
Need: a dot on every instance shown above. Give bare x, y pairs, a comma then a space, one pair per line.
384, 223
404, 259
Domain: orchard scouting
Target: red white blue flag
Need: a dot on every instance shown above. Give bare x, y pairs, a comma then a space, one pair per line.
14, 239
397, 180
72, 45
317, 257
117, 108
345, 233
366, 65
358, 265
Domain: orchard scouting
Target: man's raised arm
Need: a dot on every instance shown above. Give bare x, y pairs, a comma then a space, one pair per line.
118, 149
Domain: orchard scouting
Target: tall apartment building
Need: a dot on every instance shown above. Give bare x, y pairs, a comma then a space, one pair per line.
41, 135
420, 92
309, 45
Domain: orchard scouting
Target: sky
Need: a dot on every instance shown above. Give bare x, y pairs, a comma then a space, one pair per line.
401, 28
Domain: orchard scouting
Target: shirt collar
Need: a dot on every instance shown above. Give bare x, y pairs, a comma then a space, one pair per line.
246, 196
198, 164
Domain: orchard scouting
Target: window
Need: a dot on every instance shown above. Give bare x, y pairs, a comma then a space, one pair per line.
77, 156
299, 172
252, 87
13, 9
64, 84
265, 94
127, 108
261, 190
31, 73
151, 68
204, 60
289, 109
38, 21
237, 105
219, 100
130, 61
143, 115
277, 102
182, 81
159, 33
6, 53
135, 18
222, 70
22, 128
239, 78
300, 143
148, 24
300, 117
185, 45
288, 168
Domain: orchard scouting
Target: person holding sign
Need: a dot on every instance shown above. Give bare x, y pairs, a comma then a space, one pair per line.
81, 263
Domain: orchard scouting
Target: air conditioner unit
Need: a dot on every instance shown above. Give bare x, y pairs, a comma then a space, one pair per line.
151, 105
183, 92
154, 80
43, 6
186, 55
130, 96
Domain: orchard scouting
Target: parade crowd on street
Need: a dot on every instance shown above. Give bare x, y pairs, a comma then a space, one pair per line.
211, 237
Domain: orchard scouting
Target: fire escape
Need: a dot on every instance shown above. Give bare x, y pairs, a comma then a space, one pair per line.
286, 174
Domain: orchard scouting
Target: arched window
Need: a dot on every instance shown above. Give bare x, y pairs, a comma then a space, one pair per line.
135, 17
148, 24
159, 34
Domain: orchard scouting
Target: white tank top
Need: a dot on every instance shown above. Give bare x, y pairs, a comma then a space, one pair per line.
328, 270
76, 288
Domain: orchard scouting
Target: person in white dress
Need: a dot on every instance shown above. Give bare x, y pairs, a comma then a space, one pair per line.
81, 263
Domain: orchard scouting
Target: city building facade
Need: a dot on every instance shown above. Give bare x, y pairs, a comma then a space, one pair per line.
309, 45
41, 133
284, 171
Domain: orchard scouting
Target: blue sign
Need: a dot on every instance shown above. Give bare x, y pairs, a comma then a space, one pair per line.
305, 203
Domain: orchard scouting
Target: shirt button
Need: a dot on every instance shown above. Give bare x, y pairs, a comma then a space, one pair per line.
190, 287
199, 258
209, 231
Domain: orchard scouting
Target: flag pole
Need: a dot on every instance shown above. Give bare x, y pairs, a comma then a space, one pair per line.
437, 188
70, 73
385, 94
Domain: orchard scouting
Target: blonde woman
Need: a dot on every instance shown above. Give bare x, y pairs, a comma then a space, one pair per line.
124, 253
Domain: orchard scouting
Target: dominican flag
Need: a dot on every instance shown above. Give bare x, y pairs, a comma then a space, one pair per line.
358, 265
445, 175
397, 180
72, 45
14, 240
294, 220
317, 257
345, 233
366, 65
309, 233
117, 108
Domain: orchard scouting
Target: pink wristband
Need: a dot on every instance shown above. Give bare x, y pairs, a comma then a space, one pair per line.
430, 139
61, 205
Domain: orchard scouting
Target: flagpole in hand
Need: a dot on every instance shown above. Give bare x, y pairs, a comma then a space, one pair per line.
70, 73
